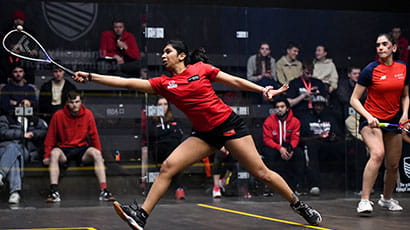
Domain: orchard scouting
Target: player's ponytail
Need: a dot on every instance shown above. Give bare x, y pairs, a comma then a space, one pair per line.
198, 55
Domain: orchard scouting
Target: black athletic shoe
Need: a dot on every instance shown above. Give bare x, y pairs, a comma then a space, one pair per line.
312, 216
105, 195
53, 197
132, 214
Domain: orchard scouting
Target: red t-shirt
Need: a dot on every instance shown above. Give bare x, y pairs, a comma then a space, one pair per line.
385, 87
191, 91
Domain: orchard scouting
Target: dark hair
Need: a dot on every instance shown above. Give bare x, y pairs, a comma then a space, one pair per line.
168, 115
118, 20
351, 68
199, 55
263, 43
191, 58
16, 65
390, 37
324, 47
20, 102
307, 65
73, 94
281, 99
292, 44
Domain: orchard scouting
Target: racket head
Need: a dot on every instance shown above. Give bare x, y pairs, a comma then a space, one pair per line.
23, 45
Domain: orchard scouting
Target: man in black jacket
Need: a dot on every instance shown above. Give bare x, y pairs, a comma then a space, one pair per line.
52, 94
322, 141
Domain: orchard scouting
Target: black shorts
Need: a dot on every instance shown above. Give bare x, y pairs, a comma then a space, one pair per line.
394, 120
234, 127
75, 154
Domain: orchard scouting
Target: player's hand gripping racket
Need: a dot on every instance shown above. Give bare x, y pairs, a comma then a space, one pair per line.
401, 126
23, 45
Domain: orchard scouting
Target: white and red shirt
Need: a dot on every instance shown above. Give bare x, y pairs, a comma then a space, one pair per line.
191, 91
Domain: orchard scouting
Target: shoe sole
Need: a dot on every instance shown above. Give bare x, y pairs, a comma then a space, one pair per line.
365, 213
52, 201
314, 224
319, 222
382, 206
109, 199
390, 209
125, 217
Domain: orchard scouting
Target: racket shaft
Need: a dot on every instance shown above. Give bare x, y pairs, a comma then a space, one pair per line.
67, 70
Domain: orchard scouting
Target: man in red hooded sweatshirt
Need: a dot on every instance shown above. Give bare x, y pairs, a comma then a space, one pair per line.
281, 131
66, 141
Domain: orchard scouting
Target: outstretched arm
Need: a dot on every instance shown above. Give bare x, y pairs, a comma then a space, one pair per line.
114, 81
242, 84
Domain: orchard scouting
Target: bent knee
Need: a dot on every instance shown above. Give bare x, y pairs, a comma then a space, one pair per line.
392, 167
167, 167
98, 156
377, 156
95, 154
56, 155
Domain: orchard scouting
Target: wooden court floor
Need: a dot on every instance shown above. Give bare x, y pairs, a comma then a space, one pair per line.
199, 212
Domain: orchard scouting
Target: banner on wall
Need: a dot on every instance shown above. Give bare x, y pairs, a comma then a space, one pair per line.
70, 20
403, 184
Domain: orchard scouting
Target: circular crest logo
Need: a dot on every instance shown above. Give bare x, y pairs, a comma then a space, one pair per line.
70, 20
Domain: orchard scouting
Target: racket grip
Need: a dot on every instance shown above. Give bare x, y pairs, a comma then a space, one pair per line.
384, 124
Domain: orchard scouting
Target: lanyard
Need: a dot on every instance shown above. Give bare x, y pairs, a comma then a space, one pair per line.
12, 60
308, 87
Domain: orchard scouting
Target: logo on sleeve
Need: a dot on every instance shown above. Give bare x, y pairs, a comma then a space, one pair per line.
193, 78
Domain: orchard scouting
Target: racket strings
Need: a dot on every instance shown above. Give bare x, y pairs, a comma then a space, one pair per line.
20, 43
24, 46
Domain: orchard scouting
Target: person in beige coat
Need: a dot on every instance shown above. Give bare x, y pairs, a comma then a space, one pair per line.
325, 69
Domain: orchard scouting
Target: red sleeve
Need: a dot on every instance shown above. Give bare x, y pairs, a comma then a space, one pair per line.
132, 51
93, 132
104, 39
295, 136
156, 84
51, 137
267, 134
210, 71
